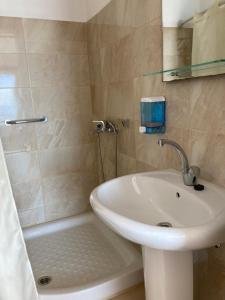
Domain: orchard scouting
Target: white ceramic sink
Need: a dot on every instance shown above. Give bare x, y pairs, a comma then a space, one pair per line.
134, 205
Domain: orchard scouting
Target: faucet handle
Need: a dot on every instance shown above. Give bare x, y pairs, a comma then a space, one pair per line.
191, 177
195, 170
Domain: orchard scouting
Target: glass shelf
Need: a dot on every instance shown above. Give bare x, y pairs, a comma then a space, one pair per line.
182, 71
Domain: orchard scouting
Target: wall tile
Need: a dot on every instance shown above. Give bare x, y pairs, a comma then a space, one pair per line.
67, 194
23, 166
67, 160
17, 104
28, 195
32, 216
13, 70
50, 56
44, 30
99, 100
60, 102
18, 138
124, 42
61, 133
67, 47
47, 69
11, 35
146, 42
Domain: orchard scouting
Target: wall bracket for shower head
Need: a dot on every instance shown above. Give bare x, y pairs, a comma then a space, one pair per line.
105, 126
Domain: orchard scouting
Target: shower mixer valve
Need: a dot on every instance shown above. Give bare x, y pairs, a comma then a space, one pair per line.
105, 126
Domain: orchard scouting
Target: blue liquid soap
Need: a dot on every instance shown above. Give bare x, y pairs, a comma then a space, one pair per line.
153, 115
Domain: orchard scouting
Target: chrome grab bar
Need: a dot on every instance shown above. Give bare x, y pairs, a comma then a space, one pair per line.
24, 121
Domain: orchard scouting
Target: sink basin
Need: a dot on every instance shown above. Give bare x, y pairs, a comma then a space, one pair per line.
139, 206
134, 205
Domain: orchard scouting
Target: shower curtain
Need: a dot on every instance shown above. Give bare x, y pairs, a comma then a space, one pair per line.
17, 281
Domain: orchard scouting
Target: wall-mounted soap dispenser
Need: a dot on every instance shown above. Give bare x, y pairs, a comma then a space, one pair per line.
153, 115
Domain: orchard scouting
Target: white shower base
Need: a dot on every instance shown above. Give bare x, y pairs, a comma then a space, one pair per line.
84, 259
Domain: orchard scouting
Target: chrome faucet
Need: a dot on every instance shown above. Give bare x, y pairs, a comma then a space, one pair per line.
190, 173
105, 126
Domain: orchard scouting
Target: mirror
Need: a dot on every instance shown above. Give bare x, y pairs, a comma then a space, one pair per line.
193, 38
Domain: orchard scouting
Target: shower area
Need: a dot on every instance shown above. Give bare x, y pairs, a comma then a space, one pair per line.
53, 152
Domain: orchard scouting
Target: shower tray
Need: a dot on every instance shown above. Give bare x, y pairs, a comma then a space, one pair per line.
79, 258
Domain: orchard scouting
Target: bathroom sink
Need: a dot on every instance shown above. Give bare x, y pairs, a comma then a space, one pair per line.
135, 206
169, 220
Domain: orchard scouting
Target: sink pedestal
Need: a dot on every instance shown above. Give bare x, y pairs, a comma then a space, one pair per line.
168, 274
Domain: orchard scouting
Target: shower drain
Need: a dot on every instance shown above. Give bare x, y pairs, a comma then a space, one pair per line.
44, 280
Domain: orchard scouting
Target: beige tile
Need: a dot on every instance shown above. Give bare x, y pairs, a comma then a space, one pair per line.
99, 101
105, 35
66, 47
67, 160
108, 154
125, 41
178, 105
54, 30
13, 71
205, 111
59, 73
143, 167
129, 13
95, 67
28, 195
18, 138
146, 44
120, 61
120, 106
126, 164
17, 104
59, 133
11, 35
43, 36
213, 163
120, 100
126, 140
67, 194
32, 216
23, 167
197, 142
60, 102
65, 208
47, 69
70, 186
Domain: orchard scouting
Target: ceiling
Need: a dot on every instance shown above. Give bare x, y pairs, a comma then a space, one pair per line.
65, 10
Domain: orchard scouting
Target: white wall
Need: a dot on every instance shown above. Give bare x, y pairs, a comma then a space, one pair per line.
66, 10
176, 12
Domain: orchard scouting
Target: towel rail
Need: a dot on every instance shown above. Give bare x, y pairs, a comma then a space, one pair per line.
25, 121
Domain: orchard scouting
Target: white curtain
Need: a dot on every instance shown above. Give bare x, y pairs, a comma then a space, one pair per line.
16, 277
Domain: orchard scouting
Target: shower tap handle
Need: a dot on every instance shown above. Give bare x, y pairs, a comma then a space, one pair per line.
100, 125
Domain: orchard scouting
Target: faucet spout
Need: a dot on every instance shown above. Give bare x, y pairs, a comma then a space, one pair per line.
190, 174
180, 151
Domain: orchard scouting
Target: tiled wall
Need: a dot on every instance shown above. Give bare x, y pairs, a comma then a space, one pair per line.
44, 71
124, 42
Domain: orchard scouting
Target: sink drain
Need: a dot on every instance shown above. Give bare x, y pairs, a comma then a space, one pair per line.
165, 224
44, 280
